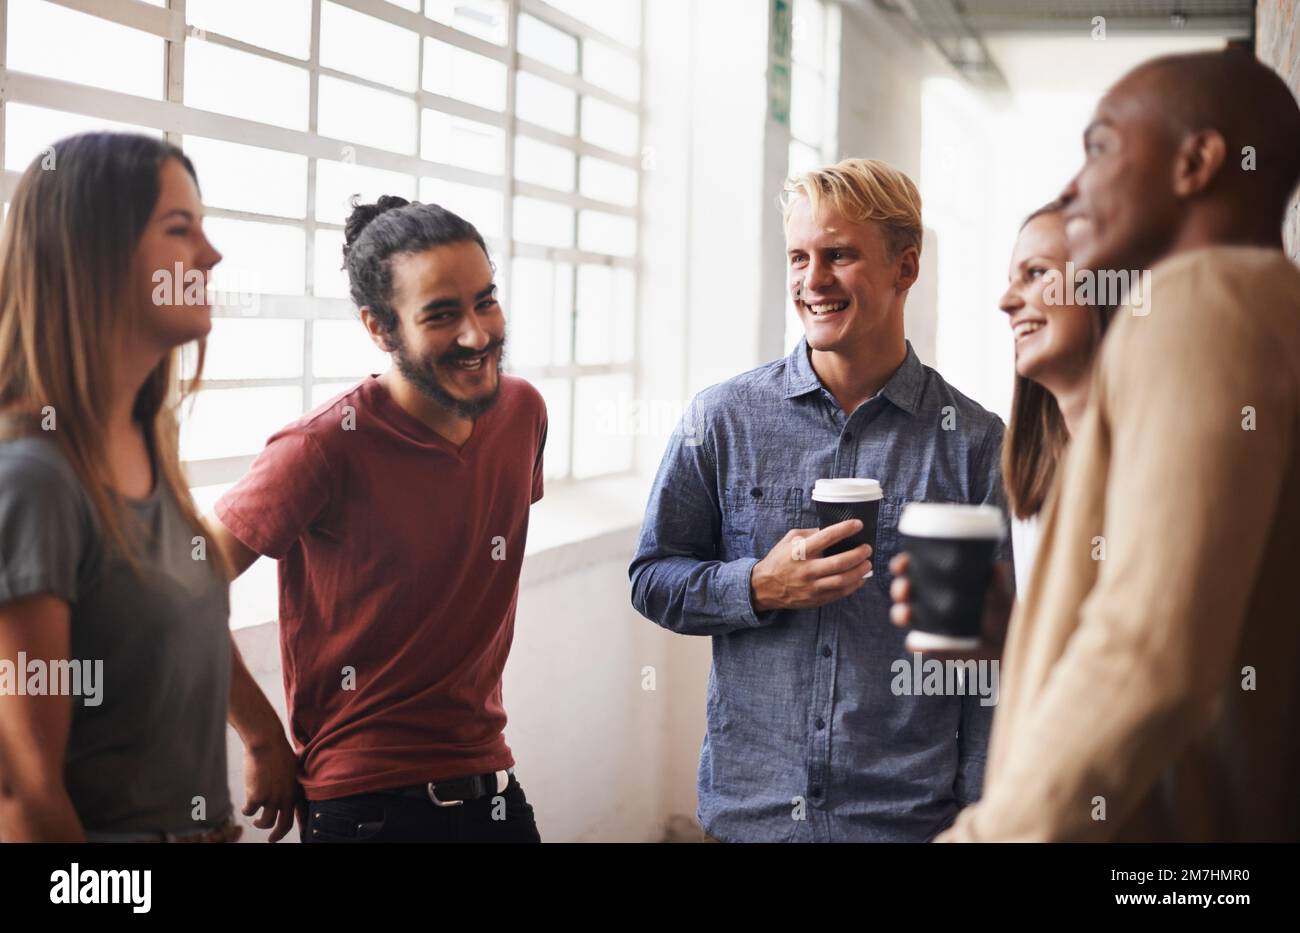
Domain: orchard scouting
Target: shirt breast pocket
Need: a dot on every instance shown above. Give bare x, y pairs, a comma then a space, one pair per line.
887, 543
888, 540
755, 517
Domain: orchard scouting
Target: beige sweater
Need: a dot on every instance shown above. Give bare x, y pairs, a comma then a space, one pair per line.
1159, 685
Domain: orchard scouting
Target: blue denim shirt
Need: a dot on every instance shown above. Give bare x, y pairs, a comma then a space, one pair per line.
806, 740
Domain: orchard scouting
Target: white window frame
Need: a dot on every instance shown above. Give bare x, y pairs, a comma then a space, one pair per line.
170, 116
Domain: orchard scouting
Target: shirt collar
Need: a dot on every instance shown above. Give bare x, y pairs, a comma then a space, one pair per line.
903, 388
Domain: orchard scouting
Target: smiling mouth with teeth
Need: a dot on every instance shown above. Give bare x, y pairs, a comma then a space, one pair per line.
472, 364
825, 307
1024, 328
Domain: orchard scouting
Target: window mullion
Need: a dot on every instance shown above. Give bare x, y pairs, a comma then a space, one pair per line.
313, 99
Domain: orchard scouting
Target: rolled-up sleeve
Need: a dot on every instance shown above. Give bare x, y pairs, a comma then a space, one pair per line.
678, 580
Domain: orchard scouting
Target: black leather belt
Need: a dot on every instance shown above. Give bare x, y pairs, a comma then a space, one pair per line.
454, 792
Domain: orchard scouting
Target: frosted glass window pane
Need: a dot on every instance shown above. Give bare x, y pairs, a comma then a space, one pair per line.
480, 206
543, 164
234, 422
283, 26
618, 19
555, 392
336, 182
251, 348
56, 42
455, 72
368, 47
241, 84
606, 314
543, 222
608, 126
603, 434
547, 44
322, 392
545, 103
260, 258
611, 69
328, 278
365, 115
607, 233
247, 178
31, 131
606, 181
486, 19
539, 313
343, 348
466, 143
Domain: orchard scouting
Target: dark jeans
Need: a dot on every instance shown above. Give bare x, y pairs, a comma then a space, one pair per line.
383, 817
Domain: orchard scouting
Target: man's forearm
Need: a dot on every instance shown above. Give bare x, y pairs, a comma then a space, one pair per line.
693, 597
251, 712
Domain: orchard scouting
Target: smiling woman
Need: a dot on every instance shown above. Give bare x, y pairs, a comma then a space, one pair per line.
102, 559
1055, 346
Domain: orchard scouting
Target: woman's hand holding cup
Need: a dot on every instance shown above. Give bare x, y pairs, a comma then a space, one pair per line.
998, 604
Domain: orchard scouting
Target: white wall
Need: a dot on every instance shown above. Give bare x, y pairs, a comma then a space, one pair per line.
883, 68
986, 166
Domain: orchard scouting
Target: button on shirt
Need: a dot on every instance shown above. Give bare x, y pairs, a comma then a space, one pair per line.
812, 734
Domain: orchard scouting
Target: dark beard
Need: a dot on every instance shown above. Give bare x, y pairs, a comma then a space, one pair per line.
421, 375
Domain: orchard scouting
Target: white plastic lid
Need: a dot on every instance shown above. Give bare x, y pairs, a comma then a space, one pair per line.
951, 520
846, 490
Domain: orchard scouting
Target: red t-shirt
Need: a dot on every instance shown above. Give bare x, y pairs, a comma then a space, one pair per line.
399, 570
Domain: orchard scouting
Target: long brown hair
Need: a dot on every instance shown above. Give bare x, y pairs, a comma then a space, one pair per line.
75, 220
1037, 436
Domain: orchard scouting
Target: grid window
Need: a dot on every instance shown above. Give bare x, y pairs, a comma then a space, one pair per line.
521, 115
56, 42
243, 84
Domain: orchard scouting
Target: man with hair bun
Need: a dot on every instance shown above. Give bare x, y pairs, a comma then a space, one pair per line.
807, 740
398, 512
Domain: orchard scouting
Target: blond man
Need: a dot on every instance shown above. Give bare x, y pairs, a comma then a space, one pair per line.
812, 734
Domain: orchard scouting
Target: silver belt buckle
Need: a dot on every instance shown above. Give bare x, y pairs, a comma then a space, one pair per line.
503, 779
441, 803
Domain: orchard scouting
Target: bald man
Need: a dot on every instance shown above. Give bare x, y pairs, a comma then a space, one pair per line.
1151, 676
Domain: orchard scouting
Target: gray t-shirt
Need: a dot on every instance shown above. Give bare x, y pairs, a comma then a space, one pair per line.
156, 739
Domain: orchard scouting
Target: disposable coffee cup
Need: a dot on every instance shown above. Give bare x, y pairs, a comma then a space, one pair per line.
838, 500
951, 550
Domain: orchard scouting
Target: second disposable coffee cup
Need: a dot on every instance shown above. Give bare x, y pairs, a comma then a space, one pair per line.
838, 500
951, 549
